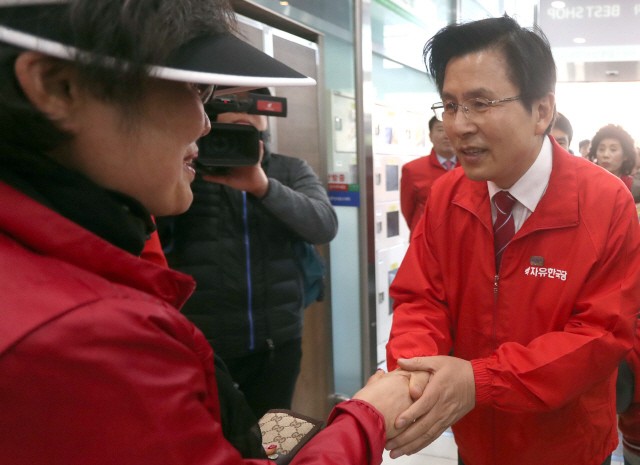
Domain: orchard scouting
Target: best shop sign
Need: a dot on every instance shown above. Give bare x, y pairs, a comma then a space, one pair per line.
588, 23
589, 11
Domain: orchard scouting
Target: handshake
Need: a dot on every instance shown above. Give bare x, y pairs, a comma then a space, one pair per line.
420, 400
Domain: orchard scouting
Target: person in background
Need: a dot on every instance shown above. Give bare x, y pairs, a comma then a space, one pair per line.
519, 294
635, 186
99, 118
613, 149
238, 241
419, 175
583, 148
628, 383
562, 131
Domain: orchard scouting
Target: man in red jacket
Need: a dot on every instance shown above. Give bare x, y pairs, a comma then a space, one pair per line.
518, 296
418, 175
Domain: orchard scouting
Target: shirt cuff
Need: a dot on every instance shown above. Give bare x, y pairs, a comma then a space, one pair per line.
482, 379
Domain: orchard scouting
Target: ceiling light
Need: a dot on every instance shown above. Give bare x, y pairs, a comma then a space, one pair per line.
557, 4
283, 3
579, 40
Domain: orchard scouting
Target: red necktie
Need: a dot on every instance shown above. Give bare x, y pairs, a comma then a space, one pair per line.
504, 228
448, 165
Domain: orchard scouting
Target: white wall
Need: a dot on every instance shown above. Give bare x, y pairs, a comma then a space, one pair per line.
589, 106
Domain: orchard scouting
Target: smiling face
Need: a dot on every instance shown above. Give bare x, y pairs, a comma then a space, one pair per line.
610, 156
501, 144
149, 158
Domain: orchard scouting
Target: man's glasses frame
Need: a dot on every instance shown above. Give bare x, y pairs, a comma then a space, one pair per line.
477, 106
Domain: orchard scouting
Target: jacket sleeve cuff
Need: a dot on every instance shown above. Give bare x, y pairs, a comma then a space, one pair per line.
371, 425
483, 381
356, 405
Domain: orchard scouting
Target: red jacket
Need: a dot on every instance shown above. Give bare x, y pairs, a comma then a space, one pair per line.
415, 184
98, 367
544, 347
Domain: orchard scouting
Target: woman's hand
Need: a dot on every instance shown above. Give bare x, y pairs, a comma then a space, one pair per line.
389, 394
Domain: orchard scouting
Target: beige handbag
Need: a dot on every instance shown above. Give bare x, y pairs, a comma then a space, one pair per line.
289, 431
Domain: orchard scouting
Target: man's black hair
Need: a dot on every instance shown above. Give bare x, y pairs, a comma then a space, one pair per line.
613, 131
562, 123
432, 123
583, 143
138, 32
531, 67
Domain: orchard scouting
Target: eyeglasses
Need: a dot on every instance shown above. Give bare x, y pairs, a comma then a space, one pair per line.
204, 91
471, 108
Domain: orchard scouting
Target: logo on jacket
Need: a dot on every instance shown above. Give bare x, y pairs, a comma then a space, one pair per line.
536, 261
551, 273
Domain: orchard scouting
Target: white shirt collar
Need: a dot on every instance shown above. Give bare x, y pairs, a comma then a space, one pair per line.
529, 189
443, 159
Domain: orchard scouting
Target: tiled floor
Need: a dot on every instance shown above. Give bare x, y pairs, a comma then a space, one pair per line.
443, 451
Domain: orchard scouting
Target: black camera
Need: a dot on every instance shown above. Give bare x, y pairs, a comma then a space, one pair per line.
230, 145
256, 104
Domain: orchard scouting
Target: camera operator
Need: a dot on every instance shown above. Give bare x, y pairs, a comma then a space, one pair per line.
238, 241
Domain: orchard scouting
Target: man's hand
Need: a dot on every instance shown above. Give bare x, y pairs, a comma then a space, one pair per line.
389, 394
251, 179
448, 395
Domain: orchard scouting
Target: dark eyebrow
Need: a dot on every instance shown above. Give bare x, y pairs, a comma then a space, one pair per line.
474, 93
479, 92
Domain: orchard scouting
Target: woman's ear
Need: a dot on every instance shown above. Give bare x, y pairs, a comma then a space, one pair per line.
51, 86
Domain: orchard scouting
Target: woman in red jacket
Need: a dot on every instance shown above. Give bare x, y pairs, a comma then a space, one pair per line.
612, 148
100, 110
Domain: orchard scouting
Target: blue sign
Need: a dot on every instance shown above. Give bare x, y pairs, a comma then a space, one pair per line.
344, 198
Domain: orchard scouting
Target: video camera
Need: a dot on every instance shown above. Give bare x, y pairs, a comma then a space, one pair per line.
230, 145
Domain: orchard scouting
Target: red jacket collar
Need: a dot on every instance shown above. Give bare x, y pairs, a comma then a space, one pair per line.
433, 158
44, 231
558, 207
